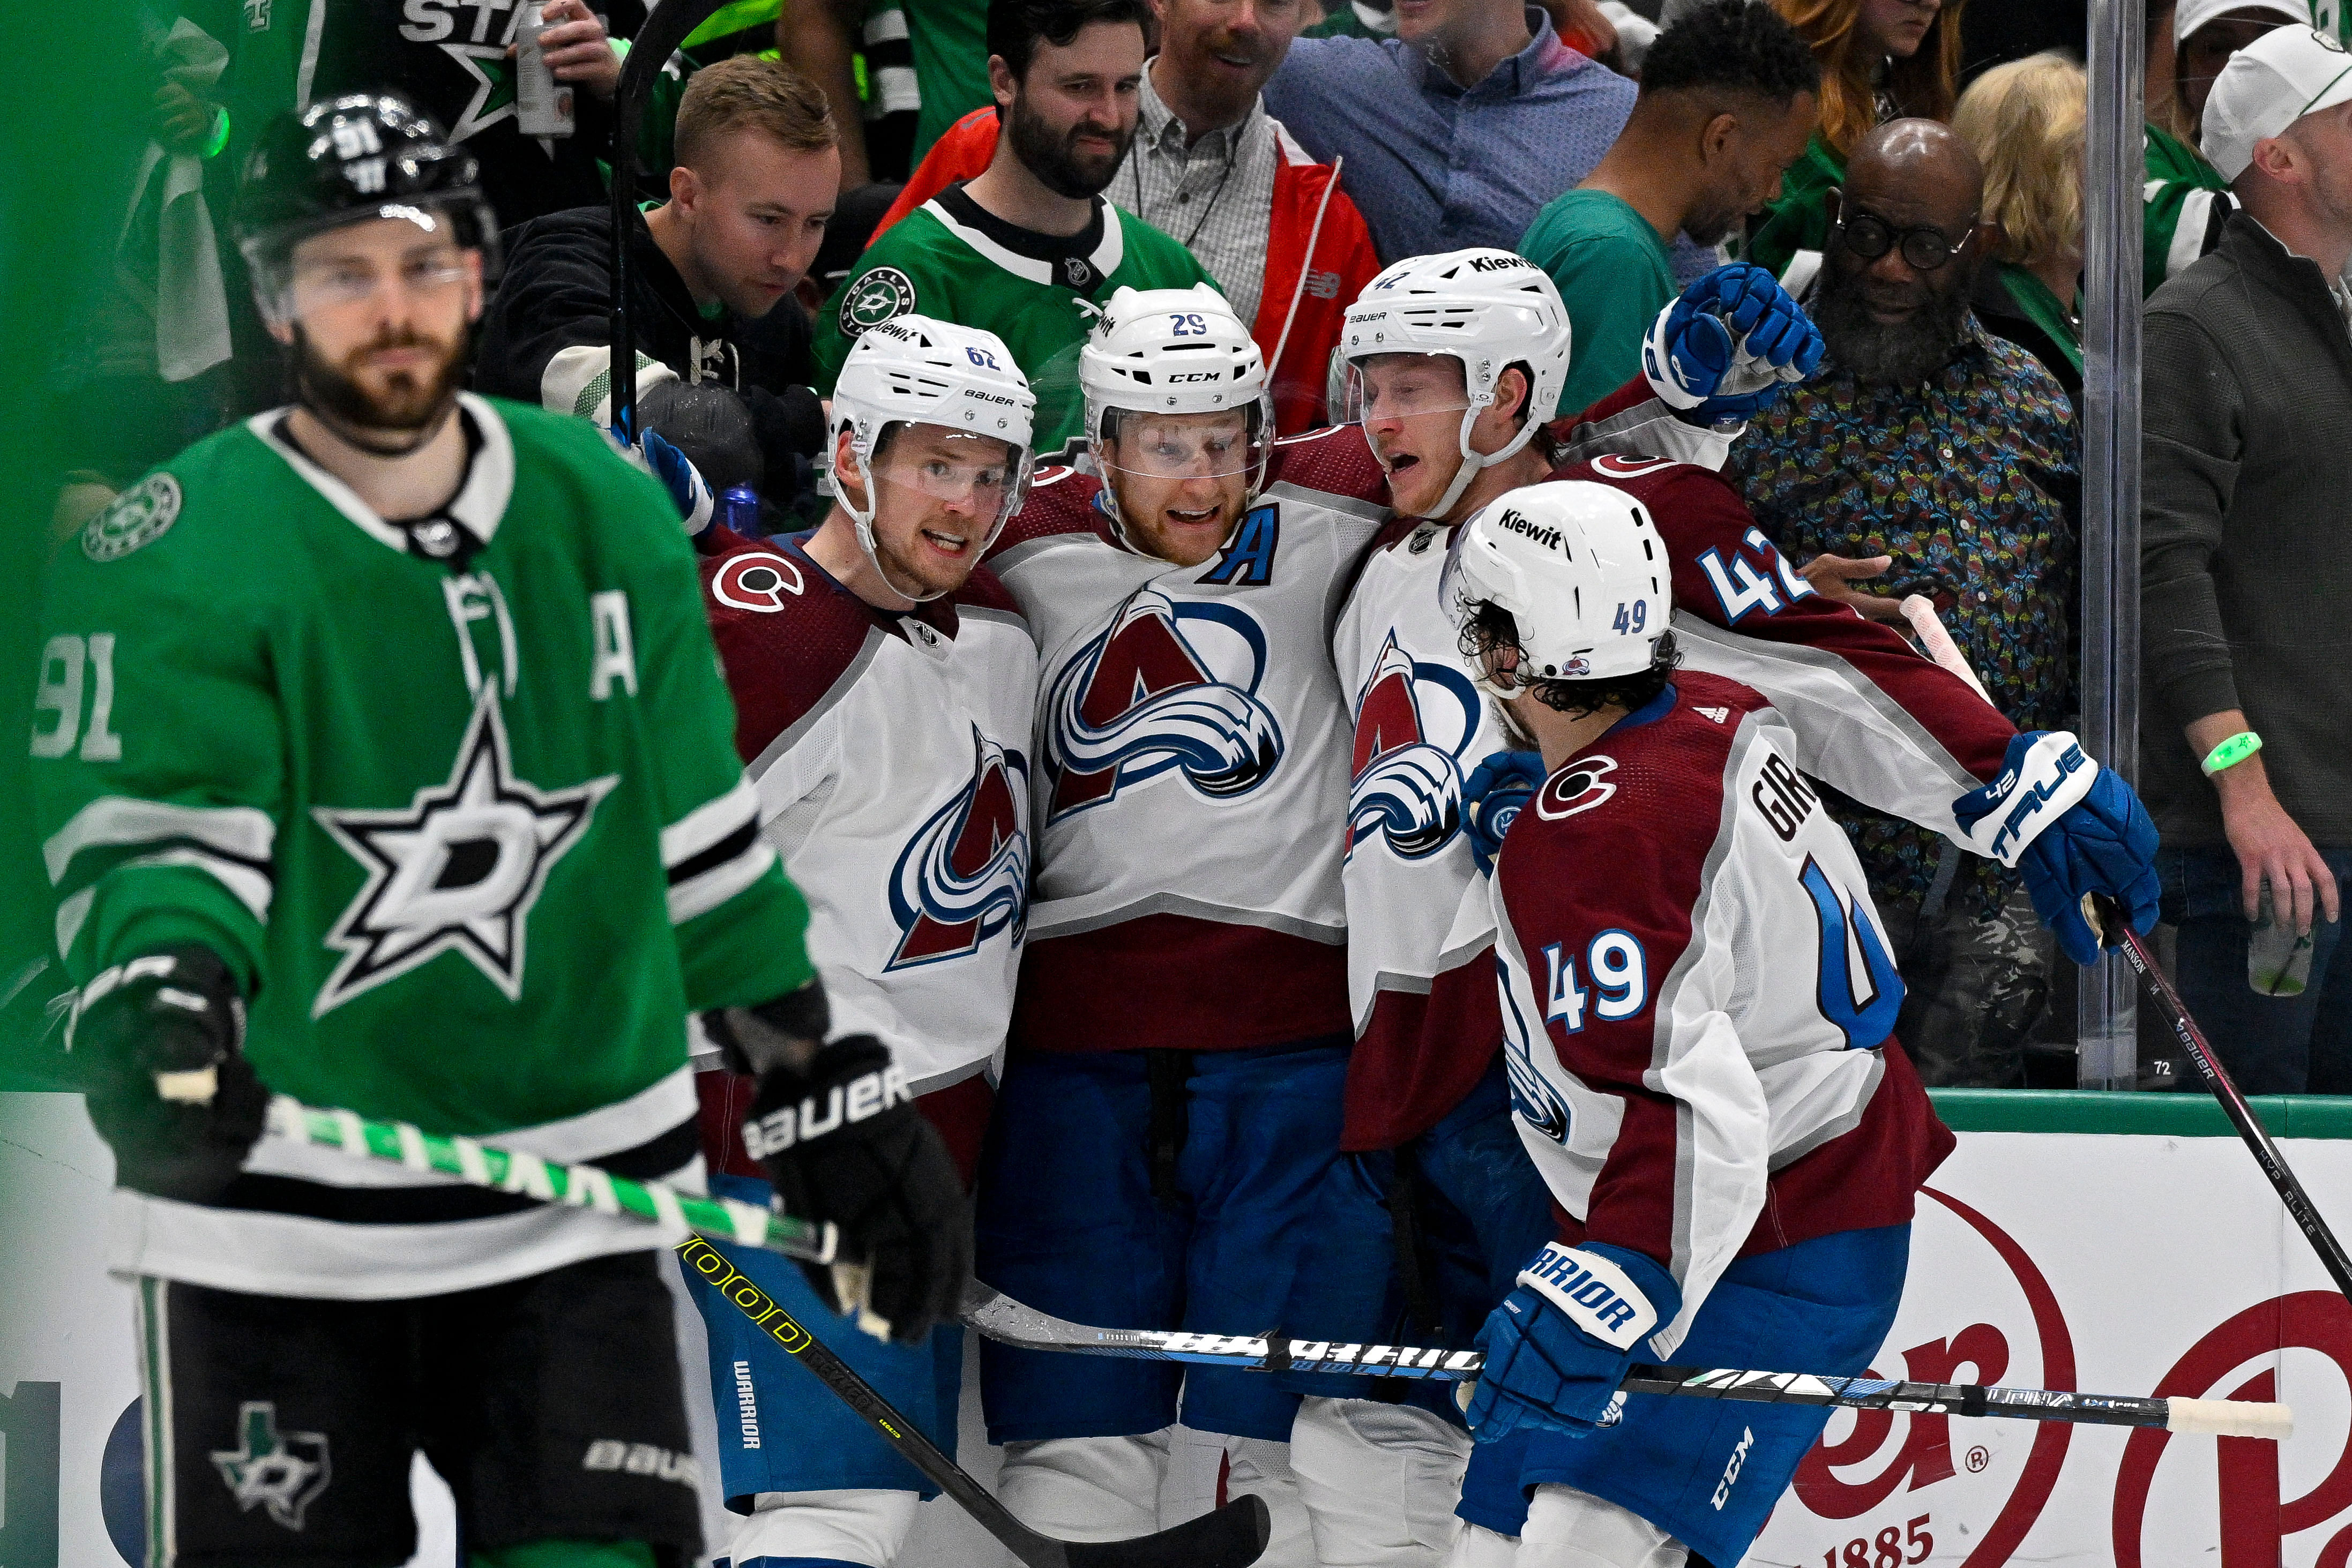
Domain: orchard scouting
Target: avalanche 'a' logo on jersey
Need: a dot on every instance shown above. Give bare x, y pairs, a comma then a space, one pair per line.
964, 877
1164, 686
1412, 721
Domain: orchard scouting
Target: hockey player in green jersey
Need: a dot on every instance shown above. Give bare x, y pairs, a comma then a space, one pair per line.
1028, 250
384, 761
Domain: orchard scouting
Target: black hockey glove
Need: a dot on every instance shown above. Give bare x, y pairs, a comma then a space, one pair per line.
842, 1140
157, 1041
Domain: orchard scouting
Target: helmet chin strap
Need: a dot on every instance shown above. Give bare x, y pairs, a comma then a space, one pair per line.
1474, 460
862, 518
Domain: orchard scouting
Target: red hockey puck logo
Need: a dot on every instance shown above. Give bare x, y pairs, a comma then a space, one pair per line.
757, 580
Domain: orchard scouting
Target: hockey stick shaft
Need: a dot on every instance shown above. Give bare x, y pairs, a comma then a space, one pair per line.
1231, 1537
2109, 922
499, 1169
1001, 1317
1929, 627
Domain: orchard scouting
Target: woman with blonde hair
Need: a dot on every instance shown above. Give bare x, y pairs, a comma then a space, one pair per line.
1881, 60
2024, 119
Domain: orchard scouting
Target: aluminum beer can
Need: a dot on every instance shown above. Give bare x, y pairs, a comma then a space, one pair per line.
542, 104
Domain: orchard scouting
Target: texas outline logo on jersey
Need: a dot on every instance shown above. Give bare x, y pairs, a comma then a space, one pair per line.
1165, 685
1414, 720
964, 876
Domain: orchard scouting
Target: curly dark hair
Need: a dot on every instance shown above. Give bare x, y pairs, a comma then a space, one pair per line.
1492, 628
1732, 45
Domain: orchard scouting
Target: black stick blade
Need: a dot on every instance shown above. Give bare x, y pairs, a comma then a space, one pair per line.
1229, 1538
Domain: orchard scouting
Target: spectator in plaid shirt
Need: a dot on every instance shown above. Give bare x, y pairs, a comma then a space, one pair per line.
1928, 457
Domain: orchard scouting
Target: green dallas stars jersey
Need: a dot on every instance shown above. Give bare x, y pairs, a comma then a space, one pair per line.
954, 261
476, 836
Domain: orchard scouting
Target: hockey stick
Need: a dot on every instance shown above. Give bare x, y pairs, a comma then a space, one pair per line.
1003, 1319
2115, 932
1231, 1537
1928, 628
548, 1181
663, 35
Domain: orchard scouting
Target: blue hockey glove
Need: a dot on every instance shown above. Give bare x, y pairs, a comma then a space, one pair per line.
688, 492
1724, 350
2073, 828
1558, 1345
1491, 798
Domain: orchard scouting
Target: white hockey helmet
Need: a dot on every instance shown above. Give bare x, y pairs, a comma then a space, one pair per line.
1582, 571
1490, 310
915, 370
1175, 351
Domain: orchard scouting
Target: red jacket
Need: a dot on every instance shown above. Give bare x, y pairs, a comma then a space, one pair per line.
1304, 193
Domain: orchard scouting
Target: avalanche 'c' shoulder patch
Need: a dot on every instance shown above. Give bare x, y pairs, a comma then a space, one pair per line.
139, 514
875, 298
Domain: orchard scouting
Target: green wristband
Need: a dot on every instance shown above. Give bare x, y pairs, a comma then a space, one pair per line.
2231, 752
219, 138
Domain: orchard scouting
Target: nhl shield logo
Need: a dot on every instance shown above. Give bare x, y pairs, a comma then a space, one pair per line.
283, 1471
878, 297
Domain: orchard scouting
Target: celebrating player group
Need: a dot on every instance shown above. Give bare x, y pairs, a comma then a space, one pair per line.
1372, 884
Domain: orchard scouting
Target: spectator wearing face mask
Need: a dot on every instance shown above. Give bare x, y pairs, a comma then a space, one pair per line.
1879, 58
2024, 121
1937, 459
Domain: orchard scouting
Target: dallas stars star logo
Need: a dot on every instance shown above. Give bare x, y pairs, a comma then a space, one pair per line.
458, 870
284, 1470
493, 83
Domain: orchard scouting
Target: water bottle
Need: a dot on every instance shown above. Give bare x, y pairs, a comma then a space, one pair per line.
542, 104
739, 508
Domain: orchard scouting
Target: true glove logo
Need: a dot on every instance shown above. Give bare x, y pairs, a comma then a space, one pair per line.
859, 1099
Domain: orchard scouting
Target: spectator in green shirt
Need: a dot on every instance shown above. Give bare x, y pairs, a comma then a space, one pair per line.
1728, 100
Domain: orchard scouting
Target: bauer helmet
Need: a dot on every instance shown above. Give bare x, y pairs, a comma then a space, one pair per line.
1175, 351
349, 160
1581, 570
913, 370
1488, 308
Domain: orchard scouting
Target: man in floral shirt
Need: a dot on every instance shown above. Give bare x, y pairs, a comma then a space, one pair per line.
1928, 456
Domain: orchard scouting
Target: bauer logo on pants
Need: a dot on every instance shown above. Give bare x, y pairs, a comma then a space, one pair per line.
284, 1471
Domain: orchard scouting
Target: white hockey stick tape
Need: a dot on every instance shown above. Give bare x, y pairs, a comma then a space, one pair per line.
2230, 1418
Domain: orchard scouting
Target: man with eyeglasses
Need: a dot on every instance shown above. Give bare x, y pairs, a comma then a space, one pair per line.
383, 762
1928, 456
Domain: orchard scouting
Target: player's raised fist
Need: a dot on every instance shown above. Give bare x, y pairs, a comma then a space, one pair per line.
842, 1140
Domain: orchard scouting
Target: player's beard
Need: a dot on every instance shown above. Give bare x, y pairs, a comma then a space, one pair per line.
1052, 156
407, 414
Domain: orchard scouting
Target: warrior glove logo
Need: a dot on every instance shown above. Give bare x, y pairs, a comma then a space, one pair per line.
1163, 686
965, 875
1593, 1293
284, 1471
1406, 785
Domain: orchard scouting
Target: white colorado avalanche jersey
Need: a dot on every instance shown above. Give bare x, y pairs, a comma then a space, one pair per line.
1191, 764
891, 757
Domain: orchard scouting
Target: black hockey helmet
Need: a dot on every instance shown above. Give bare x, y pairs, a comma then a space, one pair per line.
348, 160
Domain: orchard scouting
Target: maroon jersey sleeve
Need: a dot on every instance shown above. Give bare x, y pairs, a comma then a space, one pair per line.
786, 636
1872, 716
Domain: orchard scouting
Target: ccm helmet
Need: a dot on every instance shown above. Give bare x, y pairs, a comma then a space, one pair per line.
913, 370
1488, 308
1580, 568
1175, 351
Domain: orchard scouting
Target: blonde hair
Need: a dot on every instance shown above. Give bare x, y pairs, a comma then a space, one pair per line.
744, 91
2024, 119
1920, 85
